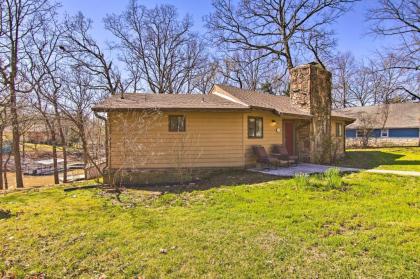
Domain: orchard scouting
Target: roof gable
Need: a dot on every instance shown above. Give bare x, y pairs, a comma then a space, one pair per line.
255, 99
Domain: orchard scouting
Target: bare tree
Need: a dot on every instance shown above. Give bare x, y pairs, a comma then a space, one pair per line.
400, 19
397, 18
372, 82
253, 71
344, 70
245, 69
283, 29
4, 122
86, 53
44, 77
79, 96
165, 47
389, 81
18, 18
206, 76
133, 77
368, 122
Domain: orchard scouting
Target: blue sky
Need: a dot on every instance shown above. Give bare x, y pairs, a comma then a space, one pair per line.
350, 29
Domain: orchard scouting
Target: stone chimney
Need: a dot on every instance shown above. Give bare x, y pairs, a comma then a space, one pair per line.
310, 90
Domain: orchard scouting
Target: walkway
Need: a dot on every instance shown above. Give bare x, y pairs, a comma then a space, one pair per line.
396, 172
314, 168
301, 168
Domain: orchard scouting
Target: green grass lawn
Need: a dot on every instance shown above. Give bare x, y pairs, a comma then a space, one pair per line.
370, 228
397, 158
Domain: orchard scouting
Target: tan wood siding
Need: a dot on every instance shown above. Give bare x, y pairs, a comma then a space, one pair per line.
270, 135
211, 139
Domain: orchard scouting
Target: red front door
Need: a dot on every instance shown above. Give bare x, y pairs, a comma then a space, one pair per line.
289, 137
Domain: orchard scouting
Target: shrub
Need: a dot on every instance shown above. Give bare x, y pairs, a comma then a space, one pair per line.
301, 180
332, 178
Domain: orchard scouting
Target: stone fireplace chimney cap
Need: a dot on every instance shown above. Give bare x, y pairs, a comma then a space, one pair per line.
315, 63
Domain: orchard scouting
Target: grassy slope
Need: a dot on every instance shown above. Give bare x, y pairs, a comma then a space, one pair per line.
263, 230
403, 158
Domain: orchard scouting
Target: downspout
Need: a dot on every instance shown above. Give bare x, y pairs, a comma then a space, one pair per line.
107, 152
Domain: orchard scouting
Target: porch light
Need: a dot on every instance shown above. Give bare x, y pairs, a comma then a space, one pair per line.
273, 122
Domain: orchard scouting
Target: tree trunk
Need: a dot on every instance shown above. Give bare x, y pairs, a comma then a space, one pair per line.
15, 134
23, 147
85, 149
14, 113
86, 156
1, 158
53, 134
107, 160
6, 183
288, 55
54, 153
63, 143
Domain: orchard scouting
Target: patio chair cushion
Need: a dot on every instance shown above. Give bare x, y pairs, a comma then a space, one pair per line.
282, 153
263, 157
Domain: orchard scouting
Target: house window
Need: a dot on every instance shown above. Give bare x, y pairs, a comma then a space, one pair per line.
339, 129
255, 127
384, 133
177, 123
360, 133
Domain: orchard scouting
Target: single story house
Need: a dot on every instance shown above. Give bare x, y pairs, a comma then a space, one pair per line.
383, 125
154, 138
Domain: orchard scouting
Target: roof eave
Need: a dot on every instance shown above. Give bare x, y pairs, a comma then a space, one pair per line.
102, 109
280, 113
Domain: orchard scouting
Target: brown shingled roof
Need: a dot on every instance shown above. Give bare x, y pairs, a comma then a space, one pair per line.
166, 101
404, 115
221, 97
281, 104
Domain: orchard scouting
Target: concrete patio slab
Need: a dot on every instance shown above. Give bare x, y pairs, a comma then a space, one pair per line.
302, 168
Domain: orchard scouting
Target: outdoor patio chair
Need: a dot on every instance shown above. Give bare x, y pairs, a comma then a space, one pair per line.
264, 159
280, 152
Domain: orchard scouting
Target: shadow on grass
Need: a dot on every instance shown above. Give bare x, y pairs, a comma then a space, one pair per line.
5, 214
228, 178
372, 159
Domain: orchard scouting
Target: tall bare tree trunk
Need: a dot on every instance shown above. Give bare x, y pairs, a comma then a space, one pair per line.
15, 130
85, 152
82, 135
64, 149
6, 182
1, 158
107, 160
54, 154
62, 141
23, 148
14, 112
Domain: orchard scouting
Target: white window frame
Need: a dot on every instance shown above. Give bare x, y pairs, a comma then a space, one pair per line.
382, 133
